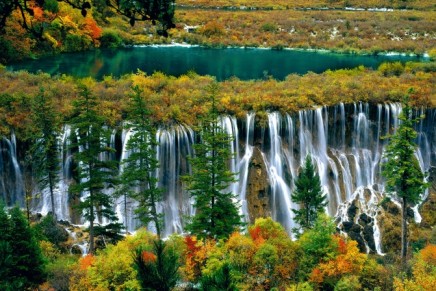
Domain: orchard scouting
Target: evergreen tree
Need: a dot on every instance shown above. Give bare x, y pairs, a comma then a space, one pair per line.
96, 173
45, 145
157, 270
27, 263
216, 211
139, 168
6, 257
220, 280
309, 195
404, 178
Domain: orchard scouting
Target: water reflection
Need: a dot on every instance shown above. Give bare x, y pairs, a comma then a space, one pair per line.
176, 60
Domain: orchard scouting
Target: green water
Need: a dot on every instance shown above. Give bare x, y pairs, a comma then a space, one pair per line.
177, 60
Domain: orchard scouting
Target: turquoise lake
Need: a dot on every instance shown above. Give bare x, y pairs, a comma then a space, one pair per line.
244, 64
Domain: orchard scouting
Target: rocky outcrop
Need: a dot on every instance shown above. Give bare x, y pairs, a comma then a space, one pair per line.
258, 189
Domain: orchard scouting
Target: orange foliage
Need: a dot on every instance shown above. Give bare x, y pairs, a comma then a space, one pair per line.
196, 255
86, 262
342, 246
38, 13
428, 255
148, 257
92, 29
349, 261
316, 276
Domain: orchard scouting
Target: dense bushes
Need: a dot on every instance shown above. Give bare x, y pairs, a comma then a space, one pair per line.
21, 260
263, 259
182, 99
110, 39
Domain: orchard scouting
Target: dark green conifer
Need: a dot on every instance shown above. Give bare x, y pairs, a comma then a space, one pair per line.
45, 145
216, 208
157, 270
96, 173
27, 263
220, 280
404, 178
309, 195
138, 178
6, 256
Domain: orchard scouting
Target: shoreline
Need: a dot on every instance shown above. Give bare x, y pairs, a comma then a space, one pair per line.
187, 45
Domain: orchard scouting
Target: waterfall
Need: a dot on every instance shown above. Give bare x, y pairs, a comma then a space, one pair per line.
345, 142
43, 197
244, 164
125, 206
281, 191
11, 178
175, 145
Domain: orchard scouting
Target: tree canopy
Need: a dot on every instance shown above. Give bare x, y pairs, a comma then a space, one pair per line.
404, 177
309, 195
216, 209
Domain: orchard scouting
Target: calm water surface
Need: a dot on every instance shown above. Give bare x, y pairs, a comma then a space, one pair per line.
177, 60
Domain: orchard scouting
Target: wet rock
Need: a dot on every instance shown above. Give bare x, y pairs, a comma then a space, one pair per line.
347, 225
64, 222
352, 211
358, 238
364, 219
367, 194
368, 236
355, 228
258, 189
76, 250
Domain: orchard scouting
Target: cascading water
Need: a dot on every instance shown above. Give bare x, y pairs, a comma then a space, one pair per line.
344, 142
275, 161
11, 179
61, 189
175, 145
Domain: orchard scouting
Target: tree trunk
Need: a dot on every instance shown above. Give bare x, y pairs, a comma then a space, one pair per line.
91, 226
404, 231
91, 236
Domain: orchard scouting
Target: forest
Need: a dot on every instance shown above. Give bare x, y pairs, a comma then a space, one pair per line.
77, 153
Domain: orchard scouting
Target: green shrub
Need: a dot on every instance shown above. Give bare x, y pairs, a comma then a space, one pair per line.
75, 42
50, 230
391, 69
51, 5
110, 39
60, 271
8, 52
269, 27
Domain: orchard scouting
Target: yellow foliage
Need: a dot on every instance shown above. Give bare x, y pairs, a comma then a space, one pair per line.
349, 261
424, 272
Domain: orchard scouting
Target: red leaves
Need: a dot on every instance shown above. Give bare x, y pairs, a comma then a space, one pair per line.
148, 257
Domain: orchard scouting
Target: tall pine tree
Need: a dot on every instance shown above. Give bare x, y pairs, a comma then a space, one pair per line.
6, 257
404, 178
96, 173
21, 260
45, 147
309, 195
138, 178
216, 209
